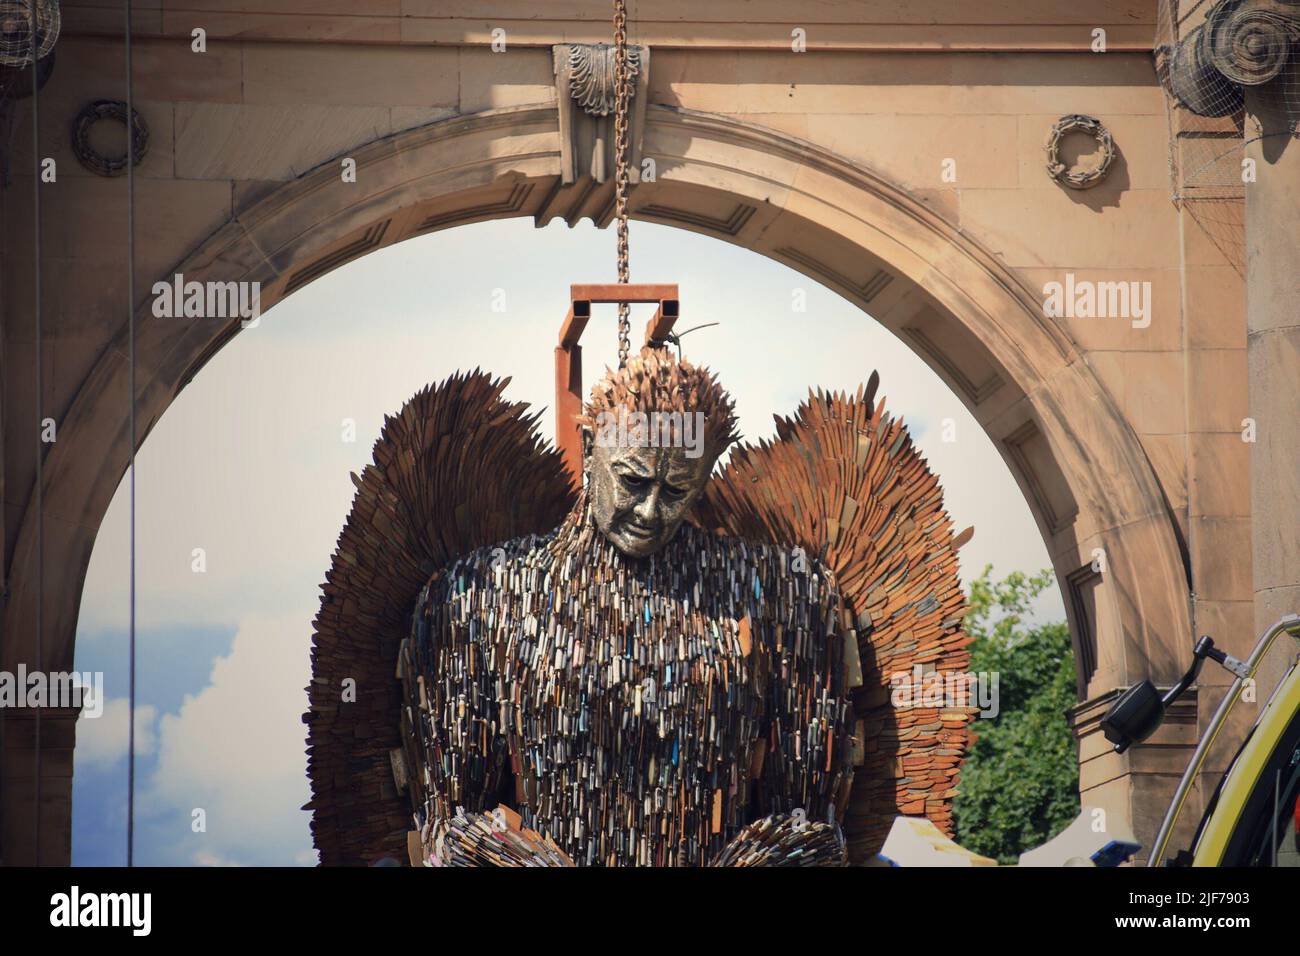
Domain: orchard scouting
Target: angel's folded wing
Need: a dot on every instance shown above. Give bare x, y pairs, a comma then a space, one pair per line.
458, 468
844, 481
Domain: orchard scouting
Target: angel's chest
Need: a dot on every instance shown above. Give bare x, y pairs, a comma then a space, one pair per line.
665, 672
569, 662
636, 717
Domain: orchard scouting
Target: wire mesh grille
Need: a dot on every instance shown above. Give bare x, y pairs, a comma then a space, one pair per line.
16, 30
1208, 52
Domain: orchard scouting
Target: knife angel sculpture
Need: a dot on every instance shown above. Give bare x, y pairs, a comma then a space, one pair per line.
670, 665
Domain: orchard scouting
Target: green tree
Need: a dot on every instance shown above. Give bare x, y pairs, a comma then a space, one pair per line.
1020, 783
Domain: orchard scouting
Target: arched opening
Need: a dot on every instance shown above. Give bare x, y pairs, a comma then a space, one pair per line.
981, 331
244, 485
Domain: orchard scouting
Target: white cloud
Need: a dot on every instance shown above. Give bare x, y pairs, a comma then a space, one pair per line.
236, 750
102, 741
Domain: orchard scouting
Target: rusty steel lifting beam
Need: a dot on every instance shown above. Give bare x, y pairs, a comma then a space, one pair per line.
568, 353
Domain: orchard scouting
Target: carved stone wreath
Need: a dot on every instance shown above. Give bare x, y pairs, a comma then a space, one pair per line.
1078, 178
95, 161
592, 75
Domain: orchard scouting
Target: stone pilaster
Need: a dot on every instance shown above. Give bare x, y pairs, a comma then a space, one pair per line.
30, 836
1273, 356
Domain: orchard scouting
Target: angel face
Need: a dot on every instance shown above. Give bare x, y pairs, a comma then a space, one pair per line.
640, 496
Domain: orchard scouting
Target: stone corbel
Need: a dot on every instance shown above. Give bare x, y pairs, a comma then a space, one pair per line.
584, 87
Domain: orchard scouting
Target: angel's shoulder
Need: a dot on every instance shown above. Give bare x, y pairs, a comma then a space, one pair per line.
496, 565
771, 574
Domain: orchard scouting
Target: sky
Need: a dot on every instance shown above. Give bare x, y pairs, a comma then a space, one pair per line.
244, 484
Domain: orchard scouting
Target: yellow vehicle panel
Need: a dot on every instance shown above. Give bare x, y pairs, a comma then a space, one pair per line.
1244, 774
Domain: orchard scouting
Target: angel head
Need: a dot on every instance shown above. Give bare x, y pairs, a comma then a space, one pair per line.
652, 432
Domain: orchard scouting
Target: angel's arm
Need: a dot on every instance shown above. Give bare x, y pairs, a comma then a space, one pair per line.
457, 752
809, 712
803, 770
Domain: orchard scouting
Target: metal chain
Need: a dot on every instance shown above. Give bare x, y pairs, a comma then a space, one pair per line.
621, 96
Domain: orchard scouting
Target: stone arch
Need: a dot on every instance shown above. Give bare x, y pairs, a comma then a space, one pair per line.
1077, 460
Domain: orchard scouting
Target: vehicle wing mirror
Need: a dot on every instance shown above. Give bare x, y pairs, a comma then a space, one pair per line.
1139, 710
1134, 716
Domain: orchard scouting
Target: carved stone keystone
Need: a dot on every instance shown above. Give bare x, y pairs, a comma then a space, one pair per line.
584, 86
